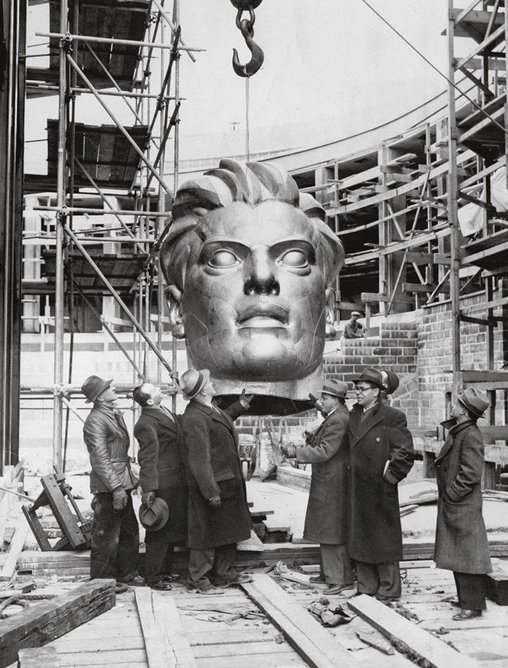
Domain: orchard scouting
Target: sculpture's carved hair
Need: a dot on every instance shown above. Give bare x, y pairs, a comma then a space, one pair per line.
251, 183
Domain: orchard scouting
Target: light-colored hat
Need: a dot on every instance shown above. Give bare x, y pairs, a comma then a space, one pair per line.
93, 387
335, 387
371, 375
476, 401
356, 313
193, 381
155, 517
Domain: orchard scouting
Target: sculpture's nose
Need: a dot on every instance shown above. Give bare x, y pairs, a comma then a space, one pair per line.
261, 274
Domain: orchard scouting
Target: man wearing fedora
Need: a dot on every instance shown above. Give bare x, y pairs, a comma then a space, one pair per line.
218, 512
115, 532
382, 454
163, 510
461, 538
328, 505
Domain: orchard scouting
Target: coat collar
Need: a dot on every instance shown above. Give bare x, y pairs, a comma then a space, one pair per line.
160, 415
455, 429
360, 428
215, 413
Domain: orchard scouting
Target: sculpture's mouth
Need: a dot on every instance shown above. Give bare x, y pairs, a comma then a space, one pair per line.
263, 316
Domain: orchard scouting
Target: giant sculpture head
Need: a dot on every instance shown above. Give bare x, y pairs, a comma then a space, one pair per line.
249, 263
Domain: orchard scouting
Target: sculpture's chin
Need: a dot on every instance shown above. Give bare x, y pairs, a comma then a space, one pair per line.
268, 405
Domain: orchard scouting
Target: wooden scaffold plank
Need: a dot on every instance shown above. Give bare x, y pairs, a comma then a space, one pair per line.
312, 642
420, 643
166, 644
45, 621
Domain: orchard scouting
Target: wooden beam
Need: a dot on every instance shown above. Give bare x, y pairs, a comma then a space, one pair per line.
312, 642
45, 621
494, 380
374, 297
17, 544
165, 610
158, 649
396, 628
426, 289
496, 35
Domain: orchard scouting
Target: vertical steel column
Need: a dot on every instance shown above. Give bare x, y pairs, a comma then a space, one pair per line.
453, 220
176, 175
12, 96
58, 369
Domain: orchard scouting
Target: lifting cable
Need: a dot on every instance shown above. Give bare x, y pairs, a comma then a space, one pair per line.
436, 69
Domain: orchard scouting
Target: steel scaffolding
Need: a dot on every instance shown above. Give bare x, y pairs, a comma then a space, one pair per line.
108, 50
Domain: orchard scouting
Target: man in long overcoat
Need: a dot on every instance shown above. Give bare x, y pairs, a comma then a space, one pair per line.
382, 454
115, 533
461, 537
162, 475
218, 512
328, 506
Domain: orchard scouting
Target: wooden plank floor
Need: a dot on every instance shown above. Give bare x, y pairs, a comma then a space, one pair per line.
228, 630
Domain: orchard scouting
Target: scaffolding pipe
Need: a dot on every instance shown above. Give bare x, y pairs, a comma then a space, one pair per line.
116, 297
131, 141
59, 240
452, 192
173, 27
68, 37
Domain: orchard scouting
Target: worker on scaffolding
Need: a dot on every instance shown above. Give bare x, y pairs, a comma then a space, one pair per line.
115, 532
162, 478
353, 329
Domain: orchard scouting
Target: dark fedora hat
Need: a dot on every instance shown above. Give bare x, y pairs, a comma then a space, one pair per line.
335, 387
390, 381
476, 401
93, 387
155, 517
193, 381
372, 376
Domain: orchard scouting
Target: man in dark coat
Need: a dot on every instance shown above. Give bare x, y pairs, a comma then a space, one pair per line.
115, 532
381, 450
162, 475
461, 537
328, 506
218, 512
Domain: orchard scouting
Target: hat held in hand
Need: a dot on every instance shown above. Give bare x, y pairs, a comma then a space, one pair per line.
155, 517
476, 401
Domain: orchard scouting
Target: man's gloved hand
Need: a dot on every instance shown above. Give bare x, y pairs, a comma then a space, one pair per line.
288, 450
120, 498
215, 501
245, 399
147, 499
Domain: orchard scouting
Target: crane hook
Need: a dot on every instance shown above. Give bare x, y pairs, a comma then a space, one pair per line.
246, 27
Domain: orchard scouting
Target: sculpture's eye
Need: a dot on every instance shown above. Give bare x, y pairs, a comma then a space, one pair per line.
294, 258
223, 259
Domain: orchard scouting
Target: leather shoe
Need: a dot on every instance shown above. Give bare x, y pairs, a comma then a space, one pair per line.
160, 585
318, 579
121, 588
455, 604
136, 581
466, 614
381, 597
337, 589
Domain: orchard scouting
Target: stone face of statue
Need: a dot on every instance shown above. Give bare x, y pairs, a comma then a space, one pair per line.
254, 301
250, 280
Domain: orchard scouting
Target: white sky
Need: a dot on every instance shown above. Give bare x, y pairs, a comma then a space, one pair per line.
331, 68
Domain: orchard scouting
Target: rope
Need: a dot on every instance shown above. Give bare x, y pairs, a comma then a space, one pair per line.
436, 69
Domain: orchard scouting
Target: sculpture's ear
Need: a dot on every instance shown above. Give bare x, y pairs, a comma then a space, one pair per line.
330, 313
174, 297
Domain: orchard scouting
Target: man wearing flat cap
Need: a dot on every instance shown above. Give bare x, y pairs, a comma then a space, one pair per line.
218, 512
115, 532
461, 538
353, 329
382, 454
328, 506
